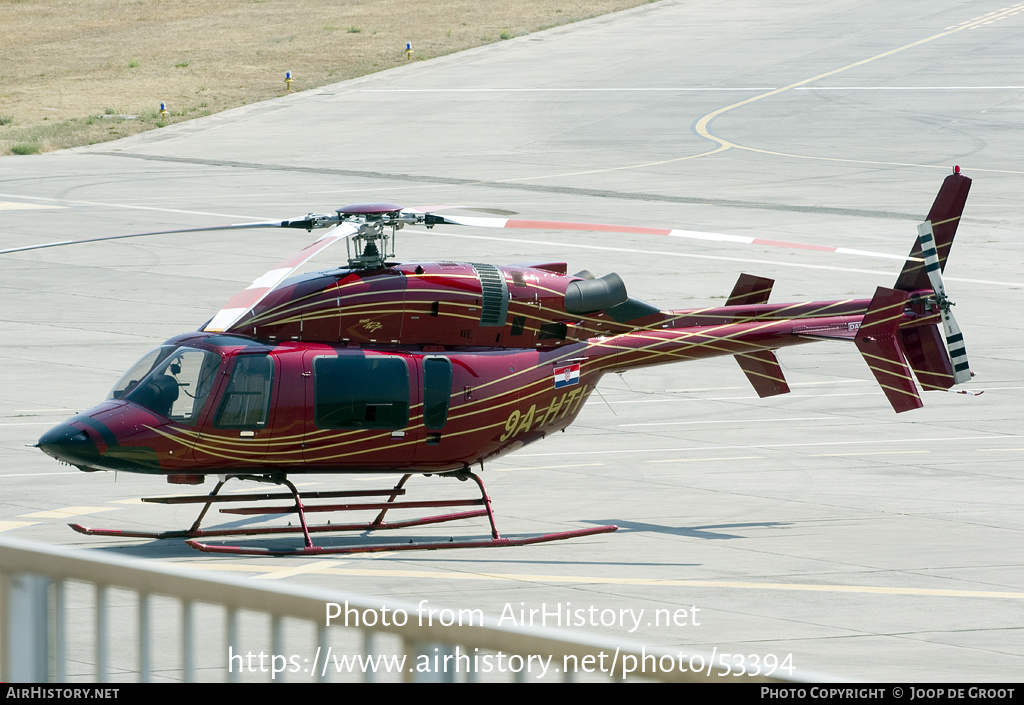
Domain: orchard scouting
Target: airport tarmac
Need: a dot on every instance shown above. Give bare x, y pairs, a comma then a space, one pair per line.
819, 525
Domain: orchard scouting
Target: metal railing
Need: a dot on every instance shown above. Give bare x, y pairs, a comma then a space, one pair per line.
72, 615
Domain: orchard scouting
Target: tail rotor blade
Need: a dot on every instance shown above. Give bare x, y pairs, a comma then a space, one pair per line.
955, 345
954, 336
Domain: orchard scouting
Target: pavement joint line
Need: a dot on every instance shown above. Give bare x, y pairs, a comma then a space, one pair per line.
516, 185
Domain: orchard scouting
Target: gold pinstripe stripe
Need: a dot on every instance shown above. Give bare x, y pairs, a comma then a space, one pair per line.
733, 337
369, 308
901, 304
780, 379
283, 314
518, 395
885, 371
591, 347
891, 373
336, 292
908, 392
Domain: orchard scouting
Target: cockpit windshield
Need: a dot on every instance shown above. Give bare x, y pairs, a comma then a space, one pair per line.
140, 369
178, 385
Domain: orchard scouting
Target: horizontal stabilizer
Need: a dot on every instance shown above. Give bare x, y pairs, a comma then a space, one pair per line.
926, 352
764, 372
877, 342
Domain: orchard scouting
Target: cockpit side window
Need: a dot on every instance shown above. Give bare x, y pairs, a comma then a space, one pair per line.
246, 401
361, 392
178, 387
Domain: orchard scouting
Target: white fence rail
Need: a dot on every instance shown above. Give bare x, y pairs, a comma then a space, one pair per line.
72, 615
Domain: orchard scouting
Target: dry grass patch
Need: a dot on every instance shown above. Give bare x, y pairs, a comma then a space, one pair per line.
85, 71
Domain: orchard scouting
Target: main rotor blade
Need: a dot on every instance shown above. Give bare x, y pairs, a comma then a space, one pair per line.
245, 300
510, 223
435, 209
294, 223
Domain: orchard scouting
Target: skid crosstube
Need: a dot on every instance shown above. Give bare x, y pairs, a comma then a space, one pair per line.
299, 508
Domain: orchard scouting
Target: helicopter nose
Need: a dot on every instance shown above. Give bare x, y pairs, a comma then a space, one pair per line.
70, 445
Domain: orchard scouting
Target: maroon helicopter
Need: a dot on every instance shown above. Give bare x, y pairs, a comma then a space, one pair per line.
434, 368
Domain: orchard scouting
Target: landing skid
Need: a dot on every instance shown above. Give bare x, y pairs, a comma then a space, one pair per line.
300, 509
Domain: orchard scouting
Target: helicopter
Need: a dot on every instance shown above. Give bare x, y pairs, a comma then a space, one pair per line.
433, 368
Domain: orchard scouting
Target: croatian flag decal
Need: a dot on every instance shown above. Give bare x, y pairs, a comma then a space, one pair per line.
565, 376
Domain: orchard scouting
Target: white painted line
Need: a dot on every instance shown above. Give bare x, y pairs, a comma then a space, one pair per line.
705, 460
909, 88
688, 89
46, 411
548, 467
879, 452
746, 421
690, 449
64, 202
680, 89
719, 258
750, 396
692, 390
40, 474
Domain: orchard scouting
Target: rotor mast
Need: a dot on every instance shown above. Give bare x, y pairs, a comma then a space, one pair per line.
371, 245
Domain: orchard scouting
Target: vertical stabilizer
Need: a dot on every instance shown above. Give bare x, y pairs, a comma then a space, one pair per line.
944, 217
750, 290
877, 342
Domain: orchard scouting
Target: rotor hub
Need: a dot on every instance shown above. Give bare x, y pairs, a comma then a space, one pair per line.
371, 245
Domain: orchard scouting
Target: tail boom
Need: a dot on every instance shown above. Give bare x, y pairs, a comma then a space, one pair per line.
897, 331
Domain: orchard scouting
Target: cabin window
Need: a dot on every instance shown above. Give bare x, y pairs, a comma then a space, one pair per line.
355, 391
178, 387
437, 391
246, 402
